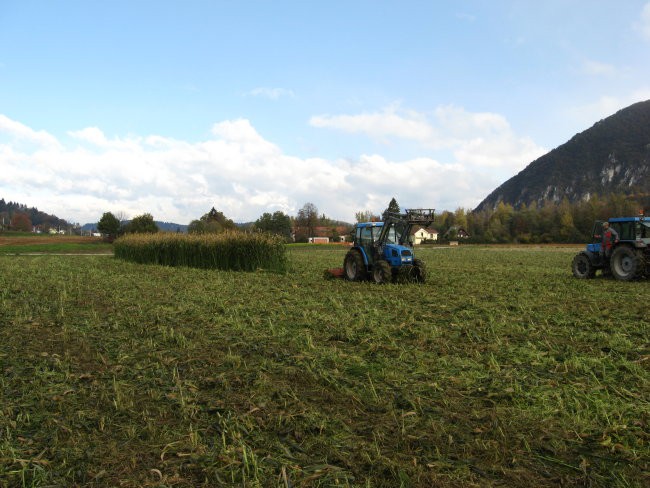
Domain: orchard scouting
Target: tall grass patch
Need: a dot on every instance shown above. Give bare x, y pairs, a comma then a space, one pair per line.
236, 251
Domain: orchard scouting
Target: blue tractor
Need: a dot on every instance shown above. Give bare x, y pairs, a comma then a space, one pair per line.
382, 250
629, 257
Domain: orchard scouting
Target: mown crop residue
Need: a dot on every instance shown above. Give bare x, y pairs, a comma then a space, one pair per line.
501, 370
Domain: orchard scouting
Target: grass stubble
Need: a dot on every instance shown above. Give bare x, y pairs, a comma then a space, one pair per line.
501, 370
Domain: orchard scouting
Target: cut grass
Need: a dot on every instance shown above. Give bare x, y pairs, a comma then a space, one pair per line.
501, 370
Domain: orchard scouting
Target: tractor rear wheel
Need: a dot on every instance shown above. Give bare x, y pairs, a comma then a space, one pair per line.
582, 267
355, 269
627, 263
419, 271
382, 272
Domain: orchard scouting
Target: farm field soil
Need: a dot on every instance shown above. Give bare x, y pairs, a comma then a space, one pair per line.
21, 244
46, 239
501, 370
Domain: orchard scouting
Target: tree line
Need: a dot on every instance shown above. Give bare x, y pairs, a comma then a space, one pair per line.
292, 228
20, 217
561, 222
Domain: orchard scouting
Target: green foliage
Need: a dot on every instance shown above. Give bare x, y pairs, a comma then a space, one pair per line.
306, 222
563, 222
393, 207
142, 224
109, 224
212, 222
502, 370
276, 223
366, 216
37, 218
235, 251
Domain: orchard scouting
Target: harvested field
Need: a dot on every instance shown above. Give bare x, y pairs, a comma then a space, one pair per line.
501, 370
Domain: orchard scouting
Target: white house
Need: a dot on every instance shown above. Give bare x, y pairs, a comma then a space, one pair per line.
421, 234
319, 240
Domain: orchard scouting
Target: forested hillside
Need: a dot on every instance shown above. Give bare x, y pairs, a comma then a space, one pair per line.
613, 156
27, 217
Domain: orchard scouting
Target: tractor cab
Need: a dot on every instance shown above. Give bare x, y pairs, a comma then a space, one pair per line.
393, 244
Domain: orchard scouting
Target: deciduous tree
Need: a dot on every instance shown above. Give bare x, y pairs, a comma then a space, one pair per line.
276, 223
20, 221
365, 216
212, 222
109, 225
142, 224
308, 218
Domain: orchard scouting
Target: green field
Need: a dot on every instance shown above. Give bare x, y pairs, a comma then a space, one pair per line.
501, 370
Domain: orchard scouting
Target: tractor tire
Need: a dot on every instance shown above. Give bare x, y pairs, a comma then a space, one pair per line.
419, 271
582, 266
354, 267
382, 272
627, 263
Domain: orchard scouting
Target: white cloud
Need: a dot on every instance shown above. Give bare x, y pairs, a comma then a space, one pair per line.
22, 132
603, 107
379, 125
271, 93
478, 140
90, 134
242, 174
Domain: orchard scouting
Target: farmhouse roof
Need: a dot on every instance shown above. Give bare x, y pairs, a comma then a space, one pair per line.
429, 230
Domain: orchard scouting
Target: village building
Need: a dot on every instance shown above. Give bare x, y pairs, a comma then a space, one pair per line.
422, 234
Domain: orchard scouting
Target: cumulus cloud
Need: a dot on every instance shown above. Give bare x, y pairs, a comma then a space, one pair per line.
20, 131
90, 134
478, 140
244, 175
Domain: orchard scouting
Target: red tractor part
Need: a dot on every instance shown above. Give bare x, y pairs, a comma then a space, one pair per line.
334, 273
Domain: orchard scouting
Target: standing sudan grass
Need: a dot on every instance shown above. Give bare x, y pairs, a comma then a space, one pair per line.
235, 251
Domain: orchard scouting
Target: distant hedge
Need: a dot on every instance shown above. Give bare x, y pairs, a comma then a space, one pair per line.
235, 251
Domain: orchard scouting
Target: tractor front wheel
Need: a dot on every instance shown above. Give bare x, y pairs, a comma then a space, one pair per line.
627, 263
582, 267
382, 272
355, 269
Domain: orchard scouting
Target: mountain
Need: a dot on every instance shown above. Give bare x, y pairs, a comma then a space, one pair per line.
613, 156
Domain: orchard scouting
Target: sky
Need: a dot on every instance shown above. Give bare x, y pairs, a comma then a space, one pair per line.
174, 107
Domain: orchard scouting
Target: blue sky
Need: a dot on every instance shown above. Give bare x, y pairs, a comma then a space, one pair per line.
172, 107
